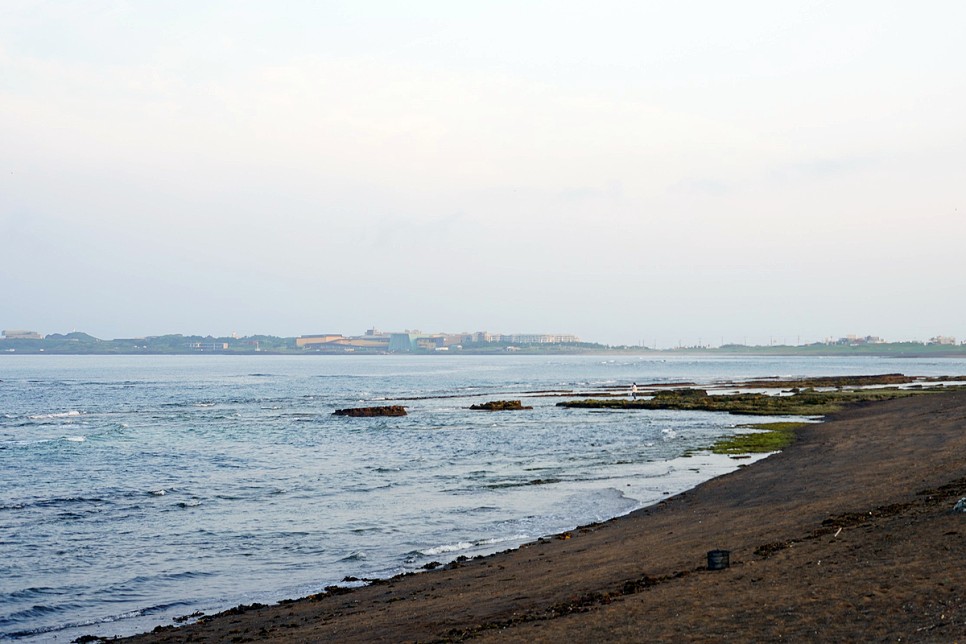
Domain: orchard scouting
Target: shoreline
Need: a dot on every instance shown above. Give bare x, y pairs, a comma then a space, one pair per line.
867, 494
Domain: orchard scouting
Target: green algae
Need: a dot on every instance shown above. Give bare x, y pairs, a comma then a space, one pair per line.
771, 437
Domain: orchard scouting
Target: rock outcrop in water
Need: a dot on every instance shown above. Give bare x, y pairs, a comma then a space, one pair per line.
367, 412
830, 381
807, 402
500, 405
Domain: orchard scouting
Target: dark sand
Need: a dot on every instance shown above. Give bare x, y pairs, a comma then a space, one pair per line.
847, 535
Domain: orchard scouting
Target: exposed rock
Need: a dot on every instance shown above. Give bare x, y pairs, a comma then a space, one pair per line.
832, 381
499, 405
808, 402
391, 410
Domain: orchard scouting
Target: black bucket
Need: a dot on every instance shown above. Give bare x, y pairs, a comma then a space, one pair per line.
718, 559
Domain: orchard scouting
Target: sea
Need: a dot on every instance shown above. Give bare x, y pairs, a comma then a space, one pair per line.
138, 491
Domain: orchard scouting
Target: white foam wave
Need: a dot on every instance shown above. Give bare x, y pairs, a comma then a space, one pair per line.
494, 541
439, 550
466, 545
65, 414
75, 439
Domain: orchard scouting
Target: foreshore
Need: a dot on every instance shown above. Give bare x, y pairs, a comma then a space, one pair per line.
847, 535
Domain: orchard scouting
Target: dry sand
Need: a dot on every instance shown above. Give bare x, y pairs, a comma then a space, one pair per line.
847, 535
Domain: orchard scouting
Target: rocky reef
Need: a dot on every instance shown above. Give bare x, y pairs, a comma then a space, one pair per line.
806, 402
831, 381
367, 412
500, 405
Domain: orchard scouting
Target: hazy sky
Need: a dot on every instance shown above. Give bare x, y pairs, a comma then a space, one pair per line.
624, 171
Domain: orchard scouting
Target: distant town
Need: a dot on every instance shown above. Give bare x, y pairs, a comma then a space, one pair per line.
375, 341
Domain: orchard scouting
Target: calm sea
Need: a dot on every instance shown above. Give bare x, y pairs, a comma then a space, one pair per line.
134, 490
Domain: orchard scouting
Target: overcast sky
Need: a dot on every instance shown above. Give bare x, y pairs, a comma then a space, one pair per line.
625, 171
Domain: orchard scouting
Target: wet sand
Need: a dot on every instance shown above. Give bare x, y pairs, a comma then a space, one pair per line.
849, 534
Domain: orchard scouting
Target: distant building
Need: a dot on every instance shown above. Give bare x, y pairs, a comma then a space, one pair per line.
208, 346
521, 338
313, 340
560, 339
942, 339
338, 343
415, 340
854, 340
543, 338
402, 342
21, 334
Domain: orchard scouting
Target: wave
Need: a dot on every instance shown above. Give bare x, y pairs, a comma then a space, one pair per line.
65, 501
140, 580
509, 484
66, 414
38, 592
111, 497
36, 611
467, 545
439, 550
41, 610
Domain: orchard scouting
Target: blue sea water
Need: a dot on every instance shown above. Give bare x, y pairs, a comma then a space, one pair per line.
136, 489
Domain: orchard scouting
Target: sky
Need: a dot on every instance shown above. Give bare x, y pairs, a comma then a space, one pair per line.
636, 172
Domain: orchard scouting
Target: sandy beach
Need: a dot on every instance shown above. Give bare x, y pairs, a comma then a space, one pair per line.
847, 535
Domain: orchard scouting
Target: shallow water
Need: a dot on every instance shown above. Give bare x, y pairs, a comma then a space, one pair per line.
134, 489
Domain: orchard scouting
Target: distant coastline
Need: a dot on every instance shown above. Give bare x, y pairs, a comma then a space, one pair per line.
77, 343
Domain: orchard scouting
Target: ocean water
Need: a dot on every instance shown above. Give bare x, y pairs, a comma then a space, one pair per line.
137, 489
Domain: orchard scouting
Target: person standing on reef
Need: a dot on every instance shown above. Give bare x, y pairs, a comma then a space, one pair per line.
634, 391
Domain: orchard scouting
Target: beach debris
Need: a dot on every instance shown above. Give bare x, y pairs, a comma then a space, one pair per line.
500, 405
719, 559
367, 412
960, 505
